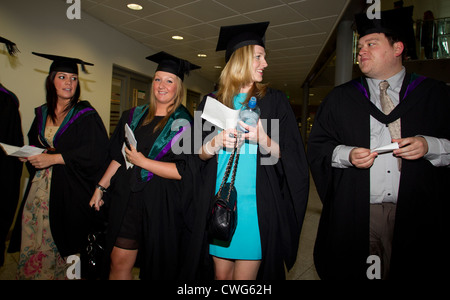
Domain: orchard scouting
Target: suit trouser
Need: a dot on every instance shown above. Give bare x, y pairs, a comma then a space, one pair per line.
382, 220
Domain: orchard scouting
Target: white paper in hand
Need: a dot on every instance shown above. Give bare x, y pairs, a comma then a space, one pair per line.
132, 139
387, 148
219, 114
25, 151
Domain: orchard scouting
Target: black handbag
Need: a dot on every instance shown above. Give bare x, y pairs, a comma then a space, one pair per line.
223, 218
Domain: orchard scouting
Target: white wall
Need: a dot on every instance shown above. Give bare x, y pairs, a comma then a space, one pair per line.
42, 26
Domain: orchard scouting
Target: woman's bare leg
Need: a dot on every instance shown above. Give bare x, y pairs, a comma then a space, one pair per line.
227, 269
122, 263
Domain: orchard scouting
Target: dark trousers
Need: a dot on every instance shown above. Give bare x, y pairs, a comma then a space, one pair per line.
382, 220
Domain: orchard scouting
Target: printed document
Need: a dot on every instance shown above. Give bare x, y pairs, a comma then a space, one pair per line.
25, 151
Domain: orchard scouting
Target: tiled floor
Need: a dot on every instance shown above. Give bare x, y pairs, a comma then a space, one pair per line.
304, 267
302, 270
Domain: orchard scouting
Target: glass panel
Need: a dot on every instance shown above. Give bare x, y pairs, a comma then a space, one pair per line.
443, 38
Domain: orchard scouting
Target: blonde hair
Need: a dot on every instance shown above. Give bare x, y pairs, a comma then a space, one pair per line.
171, 108
237, 74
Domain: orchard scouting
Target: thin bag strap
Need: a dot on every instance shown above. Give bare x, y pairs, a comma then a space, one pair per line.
228, 169
234, 175
234, 154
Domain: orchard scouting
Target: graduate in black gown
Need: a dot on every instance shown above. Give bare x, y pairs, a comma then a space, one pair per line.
146, 201
279, 180
371, 202
55, 216
11, 134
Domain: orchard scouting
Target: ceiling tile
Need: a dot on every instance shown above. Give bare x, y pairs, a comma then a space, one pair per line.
206, 10
202, 30
172, 19
326, 23
229, 21
149, 8
313, 9
297, 32
145, 26
247, 6
172, 3
110, 15
276, 15
167, 36
310, 39
297, 29
155, 43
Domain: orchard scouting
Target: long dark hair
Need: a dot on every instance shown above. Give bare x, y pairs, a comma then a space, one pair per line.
52, 97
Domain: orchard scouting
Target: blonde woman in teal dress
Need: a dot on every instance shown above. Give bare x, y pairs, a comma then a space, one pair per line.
269, 218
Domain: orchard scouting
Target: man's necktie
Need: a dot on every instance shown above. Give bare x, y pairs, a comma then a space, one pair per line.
387, 106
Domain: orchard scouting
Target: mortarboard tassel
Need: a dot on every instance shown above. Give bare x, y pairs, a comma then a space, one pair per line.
12, 48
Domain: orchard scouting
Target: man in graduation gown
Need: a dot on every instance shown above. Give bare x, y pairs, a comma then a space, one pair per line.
354, 182
11, 167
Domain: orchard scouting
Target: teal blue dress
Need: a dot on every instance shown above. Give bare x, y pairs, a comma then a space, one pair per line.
246, 242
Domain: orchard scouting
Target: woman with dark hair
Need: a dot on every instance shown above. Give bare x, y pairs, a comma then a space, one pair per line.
147, 213
62, 178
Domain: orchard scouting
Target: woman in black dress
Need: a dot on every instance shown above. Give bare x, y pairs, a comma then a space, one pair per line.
146, 199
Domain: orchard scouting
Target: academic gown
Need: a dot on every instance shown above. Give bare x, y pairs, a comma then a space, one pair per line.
167, 211
11, 167
342, 244
281, 187
83, 144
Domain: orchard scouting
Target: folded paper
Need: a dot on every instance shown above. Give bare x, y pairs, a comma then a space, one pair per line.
25, 151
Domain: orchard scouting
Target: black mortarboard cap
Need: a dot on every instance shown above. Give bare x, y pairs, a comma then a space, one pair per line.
394, 21
64, 64
169, 63
12, 48
234, 37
